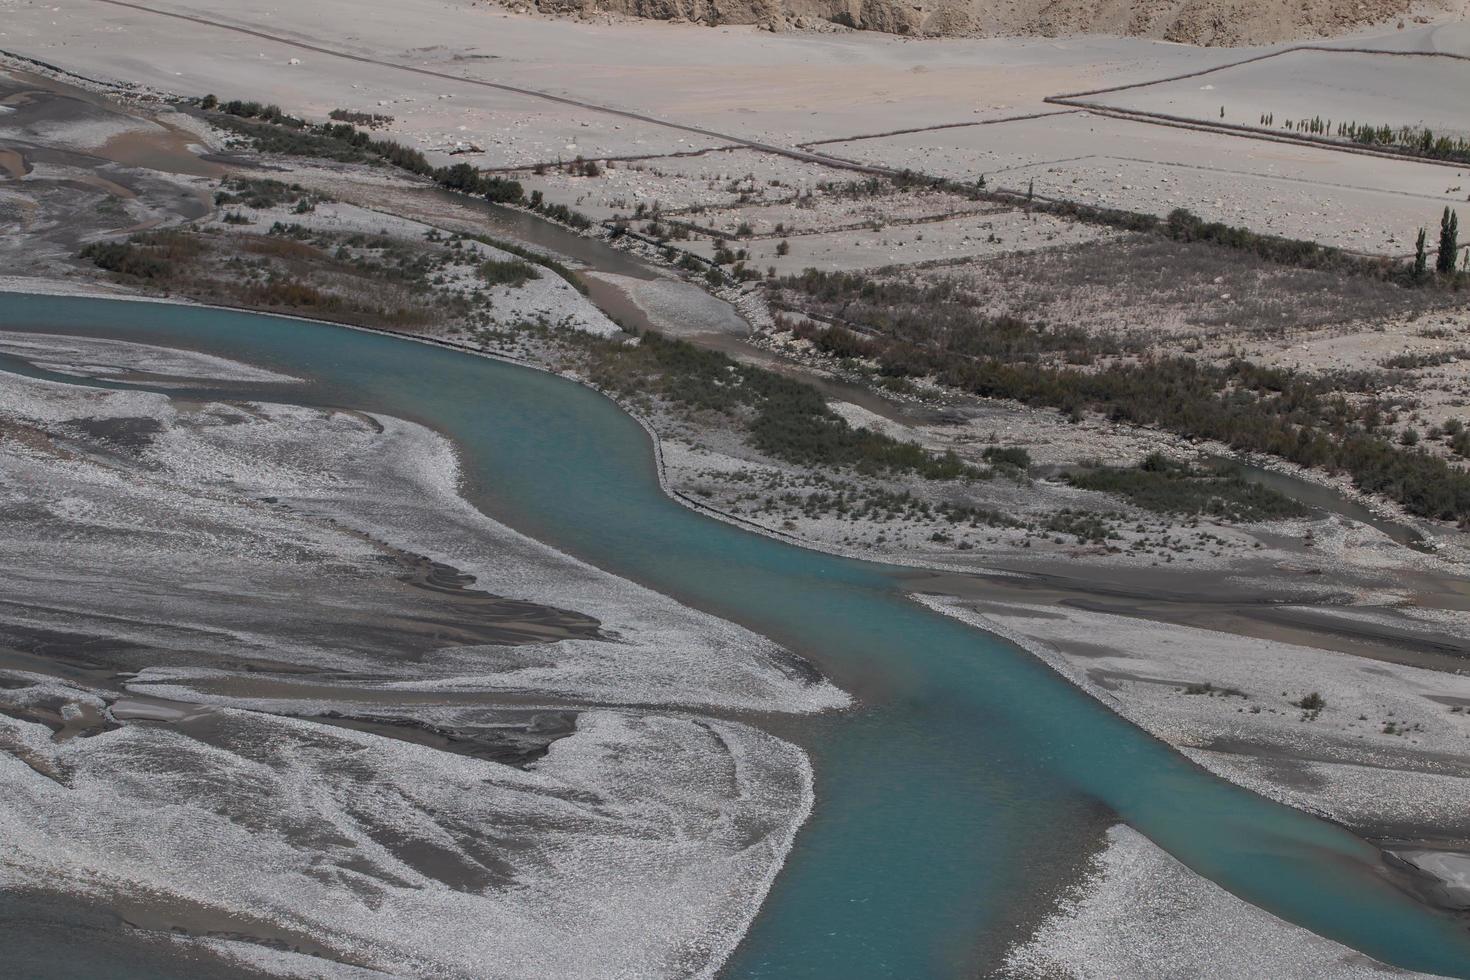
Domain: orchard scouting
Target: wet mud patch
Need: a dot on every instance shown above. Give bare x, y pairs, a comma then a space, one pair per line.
98, 942
514, 743
67, 718
23, 646
124, 433
479, 617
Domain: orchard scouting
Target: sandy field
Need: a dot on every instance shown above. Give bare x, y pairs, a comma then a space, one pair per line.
1340, 86
1366, 204
444, 72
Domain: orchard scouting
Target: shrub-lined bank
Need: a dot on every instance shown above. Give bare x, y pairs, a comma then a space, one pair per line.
783, 418
1308, 421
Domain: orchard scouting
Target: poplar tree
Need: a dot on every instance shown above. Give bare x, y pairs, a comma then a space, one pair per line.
1449, 242
1421, 258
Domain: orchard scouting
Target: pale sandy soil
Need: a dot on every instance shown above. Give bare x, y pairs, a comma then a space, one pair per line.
829, 211
1140, 913
736, 79
677, 184
974, 236
739, 83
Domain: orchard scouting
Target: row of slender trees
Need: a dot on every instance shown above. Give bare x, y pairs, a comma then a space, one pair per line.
1449, 247
1419, 140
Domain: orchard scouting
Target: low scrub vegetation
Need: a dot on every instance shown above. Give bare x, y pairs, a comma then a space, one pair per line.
783, 418
271, 131
261, 192
1308, 420
508, 272
936, 315
151, 256
1149, 287
1180, 225
1164, 486
371, 120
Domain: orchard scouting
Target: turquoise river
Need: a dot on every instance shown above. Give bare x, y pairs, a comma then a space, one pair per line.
969, 769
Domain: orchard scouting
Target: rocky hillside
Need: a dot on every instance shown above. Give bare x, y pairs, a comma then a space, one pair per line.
1205, 22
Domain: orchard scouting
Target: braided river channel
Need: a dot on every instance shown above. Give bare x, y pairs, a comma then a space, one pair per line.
968, 771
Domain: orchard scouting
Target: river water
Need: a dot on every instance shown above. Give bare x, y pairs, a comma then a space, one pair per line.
969, 764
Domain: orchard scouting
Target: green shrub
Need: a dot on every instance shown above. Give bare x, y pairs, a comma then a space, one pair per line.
126, 260
783, 418
508, 272
1013, 456
1164, 486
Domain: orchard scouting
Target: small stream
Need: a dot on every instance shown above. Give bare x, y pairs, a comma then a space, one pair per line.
1328, 500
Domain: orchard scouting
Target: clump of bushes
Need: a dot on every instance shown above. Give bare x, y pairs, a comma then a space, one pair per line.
273, 131
154, 256
1012, 456
561, 213
1311, 706
783, 418
467, 179
1164, 486
126, 259
508, 272
259, 192
371, 120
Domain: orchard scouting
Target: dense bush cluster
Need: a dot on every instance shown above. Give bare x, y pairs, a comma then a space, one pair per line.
784, 418
1185, 226
259, 192
126, 259
272, 131
508, 272
467, 179
1167, 487
371, 120
155, 256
